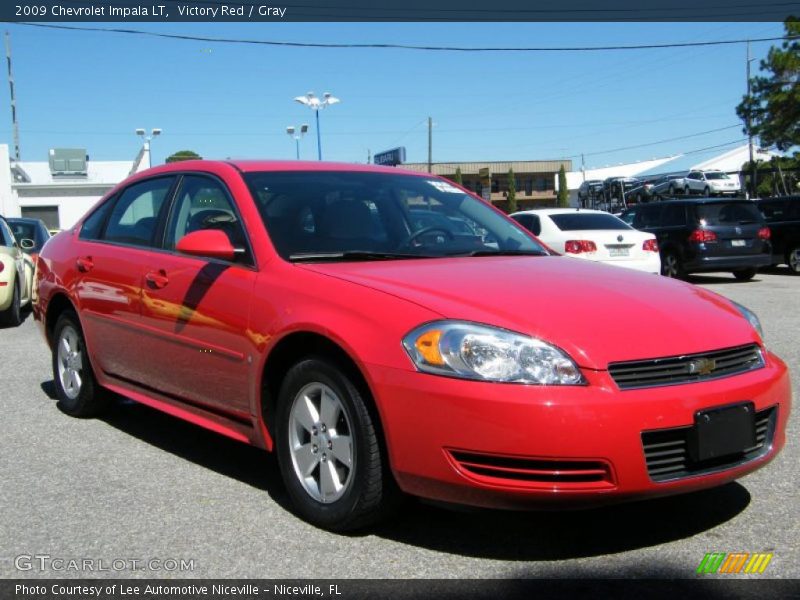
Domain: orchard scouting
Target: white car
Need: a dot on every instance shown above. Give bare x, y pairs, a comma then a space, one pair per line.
593, 235
16, 276
711, 183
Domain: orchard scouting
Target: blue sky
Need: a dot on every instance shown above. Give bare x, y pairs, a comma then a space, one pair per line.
81, 89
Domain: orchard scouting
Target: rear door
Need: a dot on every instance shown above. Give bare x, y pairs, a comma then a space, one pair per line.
112, 247
736, 225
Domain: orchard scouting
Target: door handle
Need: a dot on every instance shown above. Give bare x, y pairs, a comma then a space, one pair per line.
84, 264
157, 279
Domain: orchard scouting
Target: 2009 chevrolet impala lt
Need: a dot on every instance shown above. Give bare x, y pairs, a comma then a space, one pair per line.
386, 332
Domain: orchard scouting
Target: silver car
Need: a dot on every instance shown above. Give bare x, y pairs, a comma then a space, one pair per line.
711, 183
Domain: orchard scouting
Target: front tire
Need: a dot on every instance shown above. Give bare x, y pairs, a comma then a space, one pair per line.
328, 449
745, 274
12, 316
77, 390
707, 192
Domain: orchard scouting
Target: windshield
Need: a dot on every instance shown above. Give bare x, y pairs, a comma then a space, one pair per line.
717, 176
587, 221
319, 215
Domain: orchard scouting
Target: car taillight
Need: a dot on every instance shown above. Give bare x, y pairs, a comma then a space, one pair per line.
579, 246
650, 246
2, 266
703, 235
764, 233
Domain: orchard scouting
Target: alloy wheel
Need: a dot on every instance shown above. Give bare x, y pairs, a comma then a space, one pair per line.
70, 362
321, 443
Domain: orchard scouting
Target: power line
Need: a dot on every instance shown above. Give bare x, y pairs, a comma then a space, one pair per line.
374, 46
674, 139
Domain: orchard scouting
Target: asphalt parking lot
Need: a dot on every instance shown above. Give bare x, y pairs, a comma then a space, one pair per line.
140, 485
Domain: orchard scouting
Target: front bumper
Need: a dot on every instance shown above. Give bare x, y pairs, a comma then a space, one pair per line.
436, 427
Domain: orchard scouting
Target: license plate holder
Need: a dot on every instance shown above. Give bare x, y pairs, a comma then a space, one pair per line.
723, 431
614, 251
738, 243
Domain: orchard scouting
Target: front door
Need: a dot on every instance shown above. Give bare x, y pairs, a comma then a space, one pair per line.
195, 311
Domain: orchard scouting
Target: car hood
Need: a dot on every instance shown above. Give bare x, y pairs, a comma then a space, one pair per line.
598, 314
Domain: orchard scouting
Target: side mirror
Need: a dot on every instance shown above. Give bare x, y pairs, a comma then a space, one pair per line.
27, 244
209, 243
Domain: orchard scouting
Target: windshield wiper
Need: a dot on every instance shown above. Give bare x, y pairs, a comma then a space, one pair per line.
353, 255
505, 253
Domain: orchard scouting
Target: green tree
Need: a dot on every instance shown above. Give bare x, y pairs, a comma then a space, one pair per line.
773, 107
183, 155
563, 192
457, 177
512, 192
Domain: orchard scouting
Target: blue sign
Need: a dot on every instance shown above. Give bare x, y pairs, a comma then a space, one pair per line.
392, 158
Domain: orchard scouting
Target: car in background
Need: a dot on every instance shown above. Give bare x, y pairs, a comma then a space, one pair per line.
589, 190
705, 234
293, 306
711, 183
668, 185
642, 192
593, 235
615, 192
783, 217
16, 276
29, 229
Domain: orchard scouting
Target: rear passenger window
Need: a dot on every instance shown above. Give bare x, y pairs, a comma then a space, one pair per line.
673, 216
134, 217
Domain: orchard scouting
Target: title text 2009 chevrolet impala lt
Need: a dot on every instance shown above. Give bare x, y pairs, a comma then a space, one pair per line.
310, 309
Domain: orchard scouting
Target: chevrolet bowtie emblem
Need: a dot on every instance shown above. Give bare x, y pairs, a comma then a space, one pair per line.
702, 366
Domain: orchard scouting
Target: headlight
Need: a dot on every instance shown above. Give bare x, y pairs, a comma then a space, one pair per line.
472, 351
751, 317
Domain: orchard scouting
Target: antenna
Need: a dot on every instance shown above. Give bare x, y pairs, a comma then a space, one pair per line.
13, 97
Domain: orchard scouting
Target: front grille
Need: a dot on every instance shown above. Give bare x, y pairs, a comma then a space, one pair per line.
666, 451
530, 470
686, 369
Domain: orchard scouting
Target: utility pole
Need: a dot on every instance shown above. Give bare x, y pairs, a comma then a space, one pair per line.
369, 156
430, 145
583, 167
13, 97
749, 126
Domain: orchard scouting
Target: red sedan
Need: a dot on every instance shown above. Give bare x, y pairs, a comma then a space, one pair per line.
300, 308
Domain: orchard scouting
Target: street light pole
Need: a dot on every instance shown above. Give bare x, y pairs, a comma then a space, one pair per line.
146, 142
749, 126
297, 135
317, 104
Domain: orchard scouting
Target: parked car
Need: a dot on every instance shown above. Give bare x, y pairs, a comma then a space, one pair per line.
16, 276
783, 217
588, 191
668, 185
704, 234
593, 235
643, 192
259, 300
29, 229
615, 192
711, 183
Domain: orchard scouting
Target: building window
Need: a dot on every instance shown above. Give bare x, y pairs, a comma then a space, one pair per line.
48, 214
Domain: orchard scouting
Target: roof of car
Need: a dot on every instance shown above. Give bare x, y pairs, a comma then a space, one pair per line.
560, 211
692, 201
248, 166
23, 220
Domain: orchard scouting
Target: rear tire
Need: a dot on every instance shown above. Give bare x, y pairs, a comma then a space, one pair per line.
687, 190
12, 316
671, 190
328, 450
707, 192
745, 274
671, 266
77, 390
793, 260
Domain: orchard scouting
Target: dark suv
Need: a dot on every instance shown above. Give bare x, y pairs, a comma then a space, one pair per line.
783, 217
706, 234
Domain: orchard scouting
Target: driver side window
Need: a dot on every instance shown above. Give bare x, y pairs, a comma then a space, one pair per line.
203, 203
